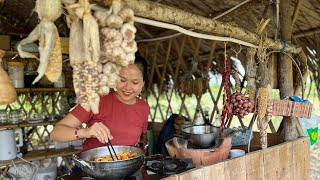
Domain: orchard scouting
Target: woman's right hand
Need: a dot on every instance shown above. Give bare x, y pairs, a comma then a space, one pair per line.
98, 130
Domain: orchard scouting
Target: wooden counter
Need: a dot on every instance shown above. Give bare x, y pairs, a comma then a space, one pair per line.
288, 160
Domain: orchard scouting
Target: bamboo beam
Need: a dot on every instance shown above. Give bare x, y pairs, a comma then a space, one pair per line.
242, 9
307, 33
183, 18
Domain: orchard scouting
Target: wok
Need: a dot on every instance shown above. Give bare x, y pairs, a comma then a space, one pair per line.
110, 169
201, 136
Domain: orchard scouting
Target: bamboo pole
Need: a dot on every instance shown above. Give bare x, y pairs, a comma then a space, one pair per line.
183, 18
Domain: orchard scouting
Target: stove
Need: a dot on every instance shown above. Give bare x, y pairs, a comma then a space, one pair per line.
167, 166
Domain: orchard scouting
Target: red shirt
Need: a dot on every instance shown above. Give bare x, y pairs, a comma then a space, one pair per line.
126, 122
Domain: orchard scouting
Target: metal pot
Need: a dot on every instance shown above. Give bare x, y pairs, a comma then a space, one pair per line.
201, 136
111, 169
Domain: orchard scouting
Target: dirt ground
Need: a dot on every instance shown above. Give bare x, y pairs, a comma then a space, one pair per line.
315, 163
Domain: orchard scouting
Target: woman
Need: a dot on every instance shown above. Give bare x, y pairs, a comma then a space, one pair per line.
122, 116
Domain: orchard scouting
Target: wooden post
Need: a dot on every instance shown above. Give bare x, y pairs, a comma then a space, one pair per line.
285, 69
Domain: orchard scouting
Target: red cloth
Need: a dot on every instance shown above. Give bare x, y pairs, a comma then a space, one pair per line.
126, 122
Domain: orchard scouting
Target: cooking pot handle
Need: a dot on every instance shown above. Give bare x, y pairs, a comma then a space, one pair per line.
144, 145
80, 163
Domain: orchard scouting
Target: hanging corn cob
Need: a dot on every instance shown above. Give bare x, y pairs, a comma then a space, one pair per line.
49, 42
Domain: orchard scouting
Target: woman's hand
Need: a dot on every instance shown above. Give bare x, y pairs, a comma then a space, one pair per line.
98, 130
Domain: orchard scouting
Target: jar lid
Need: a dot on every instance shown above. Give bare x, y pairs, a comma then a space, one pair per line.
15, 63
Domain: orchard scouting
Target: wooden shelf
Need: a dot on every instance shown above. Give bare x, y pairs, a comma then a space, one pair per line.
27, 124
11, 54
42, 154
28, 90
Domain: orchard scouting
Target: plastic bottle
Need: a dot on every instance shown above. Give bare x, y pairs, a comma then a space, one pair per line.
206, 117
198, 119
217, 120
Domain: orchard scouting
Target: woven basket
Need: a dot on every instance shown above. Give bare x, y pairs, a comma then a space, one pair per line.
291, 108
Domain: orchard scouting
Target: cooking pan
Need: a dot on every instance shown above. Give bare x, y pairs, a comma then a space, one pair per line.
201, 136
118, 169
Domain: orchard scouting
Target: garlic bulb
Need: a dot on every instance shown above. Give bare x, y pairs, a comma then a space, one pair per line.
101, 17
129, 46
111, 68
130, 58
106, 53
114, 21
105, 31
113, 81
118, 54
104, 90
128, 31
126, 14
115, 37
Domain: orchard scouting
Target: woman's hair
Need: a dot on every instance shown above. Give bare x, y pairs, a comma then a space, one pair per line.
142, 65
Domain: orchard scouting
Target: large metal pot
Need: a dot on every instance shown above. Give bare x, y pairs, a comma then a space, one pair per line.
201, 136
111, 169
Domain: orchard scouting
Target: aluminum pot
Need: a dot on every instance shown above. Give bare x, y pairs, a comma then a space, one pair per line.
111, 169
202, 136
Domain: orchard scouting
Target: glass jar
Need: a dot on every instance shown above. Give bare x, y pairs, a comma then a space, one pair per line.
15, 116
3, 116
61, 82
16, 73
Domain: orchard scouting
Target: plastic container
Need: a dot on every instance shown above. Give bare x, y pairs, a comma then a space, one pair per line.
16, 73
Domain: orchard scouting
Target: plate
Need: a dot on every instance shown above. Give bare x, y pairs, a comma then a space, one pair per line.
35, 120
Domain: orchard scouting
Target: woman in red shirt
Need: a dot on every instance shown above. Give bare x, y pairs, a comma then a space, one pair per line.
122, 116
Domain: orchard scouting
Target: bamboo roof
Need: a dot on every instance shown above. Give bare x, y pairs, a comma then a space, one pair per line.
18, 17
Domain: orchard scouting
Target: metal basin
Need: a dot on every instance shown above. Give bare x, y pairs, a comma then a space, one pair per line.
201, 136
111, 169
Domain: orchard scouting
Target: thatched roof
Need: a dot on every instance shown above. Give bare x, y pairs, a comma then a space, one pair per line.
18, 17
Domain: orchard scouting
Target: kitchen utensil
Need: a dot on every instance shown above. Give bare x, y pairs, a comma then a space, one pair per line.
109, 142
8, 143
110, 169
201, 136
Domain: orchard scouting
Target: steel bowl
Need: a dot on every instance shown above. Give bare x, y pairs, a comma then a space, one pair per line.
201, 136
118, 169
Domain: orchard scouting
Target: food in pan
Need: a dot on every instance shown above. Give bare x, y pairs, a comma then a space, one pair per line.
121, 156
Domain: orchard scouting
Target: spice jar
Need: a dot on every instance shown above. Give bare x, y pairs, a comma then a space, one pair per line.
3, 116
15, 116
16, 73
